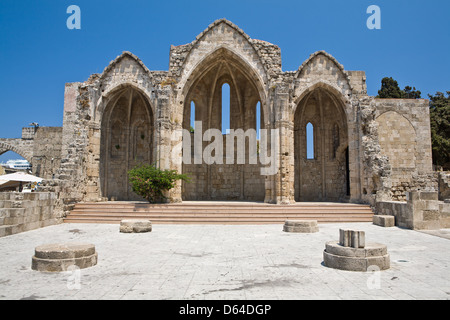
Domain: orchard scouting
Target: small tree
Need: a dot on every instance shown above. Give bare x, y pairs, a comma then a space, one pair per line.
440, 128
391, 90
150, 182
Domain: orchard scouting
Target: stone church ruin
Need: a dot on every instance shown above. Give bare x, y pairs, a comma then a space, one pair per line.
365, 150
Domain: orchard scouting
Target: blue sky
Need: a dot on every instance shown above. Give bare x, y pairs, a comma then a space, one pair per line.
39, 54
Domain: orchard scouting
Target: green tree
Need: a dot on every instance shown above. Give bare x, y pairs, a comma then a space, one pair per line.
391, 90
411, 93
150, 182
440, 129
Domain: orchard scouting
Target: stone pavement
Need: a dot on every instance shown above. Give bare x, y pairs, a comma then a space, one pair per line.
224, 262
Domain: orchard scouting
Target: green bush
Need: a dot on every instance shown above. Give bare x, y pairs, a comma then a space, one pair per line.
150, 182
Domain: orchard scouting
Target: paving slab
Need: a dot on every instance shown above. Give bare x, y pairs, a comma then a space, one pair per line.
224, 262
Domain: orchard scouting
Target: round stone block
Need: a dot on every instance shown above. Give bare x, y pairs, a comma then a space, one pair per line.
59, 257
135, 226
301, 226
356, 259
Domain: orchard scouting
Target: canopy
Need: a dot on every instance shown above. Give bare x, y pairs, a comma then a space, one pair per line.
13, 179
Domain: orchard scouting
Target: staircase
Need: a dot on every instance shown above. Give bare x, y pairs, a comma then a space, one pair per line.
210, 212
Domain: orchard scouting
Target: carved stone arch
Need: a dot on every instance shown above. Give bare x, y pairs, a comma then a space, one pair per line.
124, 71
203, 84
127, 139
325, 177
5, 147
240, 41
220, 58
337, 95
321, 69
113, 93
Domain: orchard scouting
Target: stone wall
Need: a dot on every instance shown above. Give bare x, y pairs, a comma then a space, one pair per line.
21, 212
41, 146
47, 151
421, 211
22, 146
405, 139
444, 185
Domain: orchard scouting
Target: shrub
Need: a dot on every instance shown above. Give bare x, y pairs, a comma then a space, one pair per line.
150, 182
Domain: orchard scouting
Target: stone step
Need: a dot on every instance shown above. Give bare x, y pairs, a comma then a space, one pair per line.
220, 213
213, 221
149, 207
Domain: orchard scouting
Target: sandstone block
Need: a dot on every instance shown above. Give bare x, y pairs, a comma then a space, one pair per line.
384, 221
135, 226
352, 238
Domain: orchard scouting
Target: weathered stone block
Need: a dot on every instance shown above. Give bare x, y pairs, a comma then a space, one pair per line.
429, 196
412, 196
430, 215
351, 238
384, 221
135, 226
301, 226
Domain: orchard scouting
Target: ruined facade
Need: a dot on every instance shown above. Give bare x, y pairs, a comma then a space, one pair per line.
364, 149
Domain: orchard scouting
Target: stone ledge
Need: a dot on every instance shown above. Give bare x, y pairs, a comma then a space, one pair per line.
135, 226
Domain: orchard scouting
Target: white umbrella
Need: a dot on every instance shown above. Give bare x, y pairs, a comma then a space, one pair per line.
13, 178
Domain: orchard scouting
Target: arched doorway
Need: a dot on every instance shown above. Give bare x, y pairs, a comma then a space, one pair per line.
321, 148
226, 97
126, 141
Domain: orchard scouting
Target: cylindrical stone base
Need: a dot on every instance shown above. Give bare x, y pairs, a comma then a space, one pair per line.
301, 226
373, 256
60, 257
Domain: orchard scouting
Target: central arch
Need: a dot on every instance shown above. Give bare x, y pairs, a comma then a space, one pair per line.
224, 181
127, 132
320, 124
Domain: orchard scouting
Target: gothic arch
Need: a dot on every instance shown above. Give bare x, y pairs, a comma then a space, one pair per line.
193, 57
321, 70
124, 71
324, 177
127, 133
332, 88
226, 57
114, 93
204, 86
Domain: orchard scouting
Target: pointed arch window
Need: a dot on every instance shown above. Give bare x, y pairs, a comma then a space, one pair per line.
258, 119
310, 155
226, 108
192, 116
